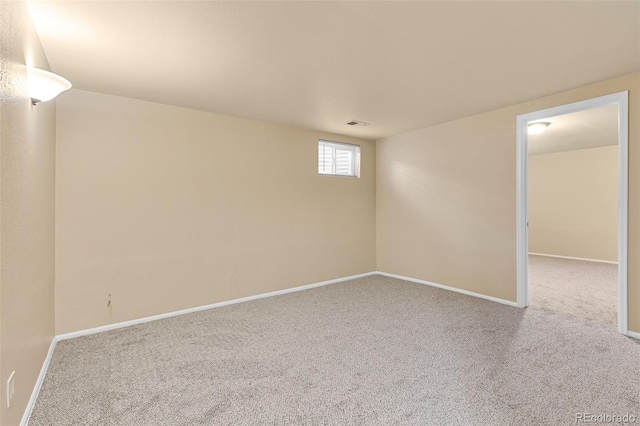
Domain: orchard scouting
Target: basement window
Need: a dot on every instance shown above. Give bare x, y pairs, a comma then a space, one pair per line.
338, 159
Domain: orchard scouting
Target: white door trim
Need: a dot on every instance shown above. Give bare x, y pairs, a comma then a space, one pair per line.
621, 99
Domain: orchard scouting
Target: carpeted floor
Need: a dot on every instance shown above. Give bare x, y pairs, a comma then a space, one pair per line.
373, 351
576, 288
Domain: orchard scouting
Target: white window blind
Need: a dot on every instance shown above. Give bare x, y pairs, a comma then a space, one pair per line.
338, 159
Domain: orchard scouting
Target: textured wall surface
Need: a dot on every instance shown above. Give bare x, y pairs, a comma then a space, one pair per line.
573, 203
446, 198
167, 208
27, 163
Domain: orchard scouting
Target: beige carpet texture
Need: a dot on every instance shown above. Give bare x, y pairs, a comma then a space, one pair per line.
577, 288
372, 351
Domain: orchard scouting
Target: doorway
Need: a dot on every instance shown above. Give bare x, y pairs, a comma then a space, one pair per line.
545, 117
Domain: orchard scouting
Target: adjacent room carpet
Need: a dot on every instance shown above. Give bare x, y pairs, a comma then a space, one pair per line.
577, 288
373, 351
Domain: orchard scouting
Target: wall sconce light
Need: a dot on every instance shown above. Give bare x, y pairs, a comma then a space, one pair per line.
45, 85
537, 128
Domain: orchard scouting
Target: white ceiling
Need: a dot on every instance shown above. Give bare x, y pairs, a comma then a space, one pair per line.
580, 130
396, 65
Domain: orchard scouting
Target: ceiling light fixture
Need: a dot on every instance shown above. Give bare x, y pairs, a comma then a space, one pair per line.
45, 85
538, 127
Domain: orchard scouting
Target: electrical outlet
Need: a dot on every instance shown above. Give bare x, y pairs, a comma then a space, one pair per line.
11, 388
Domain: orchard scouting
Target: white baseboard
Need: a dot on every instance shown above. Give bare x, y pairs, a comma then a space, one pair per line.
203, 308
633, 334
445, 287
612, 262
36, 387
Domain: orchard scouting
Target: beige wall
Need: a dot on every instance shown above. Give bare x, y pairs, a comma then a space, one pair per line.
167, 208
573, 203
446, 198
27, 160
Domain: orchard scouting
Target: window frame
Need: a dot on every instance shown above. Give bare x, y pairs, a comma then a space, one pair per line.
334, 144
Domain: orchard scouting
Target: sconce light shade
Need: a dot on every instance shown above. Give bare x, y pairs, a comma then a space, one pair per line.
45, 85
537, 127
